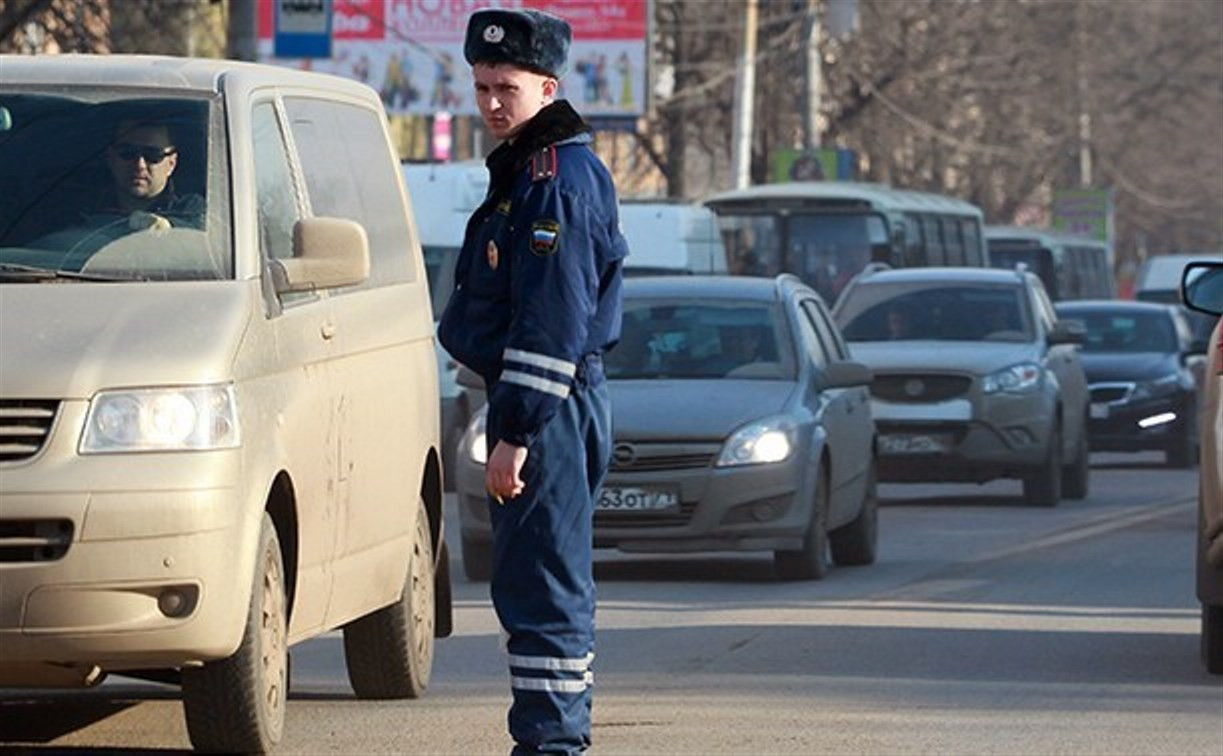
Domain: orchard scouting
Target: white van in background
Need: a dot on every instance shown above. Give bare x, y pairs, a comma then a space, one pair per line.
444, 195
666, 237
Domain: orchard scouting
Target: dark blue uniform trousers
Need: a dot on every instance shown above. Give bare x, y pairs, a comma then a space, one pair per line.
542, 584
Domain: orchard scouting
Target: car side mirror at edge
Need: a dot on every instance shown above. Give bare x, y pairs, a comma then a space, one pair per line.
1202, 287
1068, 332
468, 378
846, 374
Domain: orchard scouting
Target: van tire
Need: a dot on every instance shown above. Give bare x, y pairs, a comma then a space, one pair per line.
1212, 638
389, 652
1044, 487
811, 561
477, 560
237, 704
856, 543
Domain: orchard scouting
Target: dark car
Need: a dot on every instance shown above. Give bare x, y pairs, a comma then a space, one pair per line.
740, 425
975, 378
1141, 361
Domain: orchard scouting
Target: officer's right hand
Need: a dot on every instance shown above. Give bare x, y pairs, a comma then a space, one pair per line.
502, 472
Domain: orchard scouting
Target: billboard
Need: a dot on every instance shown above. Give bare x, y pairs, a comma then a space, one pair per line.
411, 52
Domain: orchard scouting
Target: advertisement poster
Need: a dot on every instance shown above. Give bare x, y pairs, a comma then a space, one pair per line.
411, 52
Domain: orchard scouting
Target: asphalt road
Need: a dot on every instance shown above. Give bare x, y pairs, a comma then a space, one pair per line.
985, 627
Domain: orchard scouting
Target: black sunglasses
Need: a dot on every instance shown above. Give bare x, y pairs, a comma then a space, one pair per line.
151, 155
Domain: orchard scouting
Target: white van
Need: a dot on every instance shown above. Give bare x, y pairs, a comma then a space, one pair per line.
671, 238
219, 410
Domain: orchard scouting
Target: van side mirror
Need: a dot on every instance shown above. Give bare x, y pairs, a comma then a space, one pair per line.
327, 253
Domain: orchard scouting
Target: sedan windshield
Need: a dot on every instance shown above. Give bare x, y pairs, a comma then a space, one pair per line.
1124, 332
685, 339
890, 312
113, 185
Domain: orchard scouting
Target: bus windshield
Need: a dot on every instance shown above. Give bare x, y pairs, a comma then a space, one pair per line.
825, 250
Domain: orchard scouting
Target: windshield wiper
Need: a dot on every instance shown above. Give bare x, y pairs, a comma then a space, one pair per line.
14, 273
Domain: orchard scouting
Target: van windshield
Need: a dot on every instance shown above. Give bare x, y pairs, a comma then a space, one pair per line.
113, 184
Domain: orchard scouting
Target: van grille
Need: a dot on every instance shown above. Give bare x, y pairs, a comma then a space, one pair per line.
25, 425
34, 540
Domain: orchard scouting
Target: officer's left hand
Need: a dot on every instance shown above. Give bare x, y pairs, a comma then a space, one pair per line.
502, 472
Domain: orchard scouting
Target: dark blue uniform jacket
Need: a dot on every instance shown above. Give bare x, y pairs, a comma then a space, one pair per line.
537, 283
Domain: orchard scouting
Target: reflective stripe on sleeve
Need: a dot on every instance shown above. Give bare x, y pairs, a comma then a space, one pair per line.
552, 686
565, 368
579, 664
535, 382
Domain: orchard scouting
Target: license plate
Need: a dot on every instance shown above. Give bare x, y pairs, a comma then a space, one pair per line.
1099, 411
913, 443
615, 499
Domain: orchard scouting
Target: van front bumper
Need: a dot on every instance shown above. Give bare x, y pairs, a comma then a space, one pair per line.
122, 579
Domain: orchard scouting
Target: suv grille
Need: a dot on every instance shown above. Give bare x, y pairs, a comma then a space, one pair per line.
25, 425
34, 540
919, 387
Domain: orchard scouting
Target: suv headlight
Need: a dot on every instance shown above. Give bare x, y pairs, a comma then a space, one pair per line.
760, 442
1016, 379
474, 444
1156, 388
193, 418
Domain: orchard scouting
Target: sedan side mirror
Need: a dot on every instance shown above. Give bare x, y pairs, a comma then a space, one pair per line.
846, 374
1068, 332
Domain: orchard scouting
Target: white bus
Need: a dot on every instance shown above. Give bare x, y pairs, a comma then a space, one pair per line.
826, 232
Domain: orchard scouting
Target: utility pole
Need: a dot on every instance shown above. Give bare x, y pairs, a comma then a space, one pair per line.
745, 87
813, 72
1080, 32
242, 34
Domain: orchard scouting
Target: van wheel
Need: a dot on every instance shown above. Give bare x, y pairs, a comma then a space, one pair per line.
856, 543
811, 561
1212, 638
237, 705
389, 652
1044, 488
1076, 476
477, 560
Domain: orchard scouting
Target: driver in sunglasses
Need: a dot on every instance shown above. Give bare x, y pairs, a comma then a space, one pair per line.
141, 161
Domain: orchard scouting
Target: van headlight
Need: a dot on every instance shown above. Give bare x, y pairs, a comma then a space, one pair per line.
161, 419
1016, 379
760, 442
475, 444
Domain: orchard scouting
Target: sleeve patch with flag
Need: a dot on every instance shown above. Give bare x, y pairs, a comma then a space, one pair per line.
545, 237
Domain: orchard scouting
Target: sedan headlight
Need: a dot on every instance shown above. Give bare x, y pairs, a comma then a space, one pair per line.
192, 418
1154, 389
1016, 379
761, 442
474, 443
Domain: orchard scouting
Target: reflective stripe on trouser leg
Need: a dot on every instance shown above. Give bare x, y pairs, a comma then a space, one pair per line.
542, 584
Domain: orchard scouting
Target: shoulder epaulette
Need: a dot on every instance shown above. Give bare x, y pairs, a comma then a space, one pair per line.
544, 164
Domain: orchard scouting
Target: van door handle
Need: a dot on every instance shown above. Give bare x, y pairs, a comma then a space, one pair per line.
327, 330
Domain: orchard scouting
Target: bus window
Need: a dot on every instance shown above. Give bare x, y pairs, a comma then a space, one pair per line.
753, 244
828, 249
973, 252
933, 240
951, 241
915, 251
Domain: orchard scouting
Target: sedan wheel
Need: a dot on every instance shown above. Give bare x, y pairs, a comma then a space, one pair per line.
1044, 488
811, 561
856, 543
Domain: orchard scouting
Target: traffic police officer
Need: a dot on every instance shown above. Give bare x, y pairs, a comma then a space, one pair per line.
536, 301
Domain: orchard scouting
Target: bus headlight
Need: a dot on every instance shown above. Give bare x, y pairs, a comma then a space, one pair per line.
192, 418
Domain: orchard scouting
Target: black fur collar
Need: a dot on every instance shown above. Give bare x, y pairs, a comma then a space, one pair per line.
554, 123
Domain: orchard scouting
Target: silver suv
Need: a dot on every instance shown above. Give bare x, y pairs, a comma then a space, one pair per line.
975, 378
